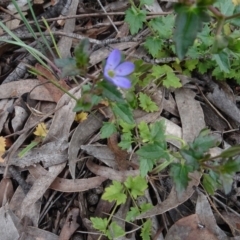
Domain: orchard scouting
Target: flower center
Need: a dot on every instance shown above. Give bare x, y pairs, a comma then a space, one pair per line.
111, 73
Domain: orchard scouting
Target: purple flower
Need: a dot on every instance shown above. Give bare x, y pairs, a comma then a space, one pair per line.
116, 71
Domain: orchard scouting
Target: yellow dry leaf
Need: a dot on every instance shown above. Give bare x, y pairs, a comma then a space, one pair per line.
2, 147
41, 130
236, 2
80, 117
105, 102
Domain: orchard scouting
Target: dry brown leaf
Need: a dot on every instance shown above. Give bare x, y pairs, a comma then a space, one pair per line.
189, 228
55, 92
13, 90
191, 114
112, 174
68, 185
70, 225
81, 135
38, 188
174, 199
6, 191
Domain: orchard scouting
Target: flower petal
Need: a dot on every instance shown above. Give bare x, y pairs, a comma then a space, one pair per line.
121, 82
124, 69
113, 60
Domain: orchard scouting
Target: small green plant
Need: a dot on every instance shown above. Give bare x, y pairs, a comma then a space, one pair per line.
133, 187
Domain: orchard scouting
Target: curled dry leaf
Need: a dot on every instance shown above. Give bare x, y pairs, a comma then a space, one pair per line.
67, 185
70, 225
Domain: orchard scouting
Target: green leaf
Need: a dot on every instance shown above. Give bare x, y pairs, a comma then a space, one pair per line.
188, 155
99, 224
187, 24
179, 173
231, 152
163, 25
110, 91
86, 102
123, 112
209, 184
225, 7
220, 42
108, 129
153, 152
135, 18
146, 230
144, 132
146, 165
82, 54
157, 130
132, 214
145, 207
69, 67
154, 45
226, 181
126, 141
115, 192
114, 231
27, 148
191, 64
222, 59
147, 2
146, 103
126, 127
230, 166
136, 185
171, 80
158, 71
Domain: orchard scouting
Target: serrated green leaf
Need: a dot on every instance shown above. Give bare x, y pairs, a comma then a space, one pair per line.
146, 230
231, 152
136, 185
99, 223
188, 155
115, 192
171, 80
144, 132
145, 207
114, 231
191, 64
230, 166
123, 112
157, 131
110, 91
69, 67
146, 103
163, 25
146, 165
222, 59
135, 19
209, 184
154, 45
126, 127
158, 71
82, 54
153, 152
126, 141
187, 24
179, 173
225, 7
132, 214
108, 129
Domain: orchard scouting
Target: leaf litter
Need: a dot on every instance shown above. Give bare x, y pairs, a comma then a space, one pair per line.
72, 162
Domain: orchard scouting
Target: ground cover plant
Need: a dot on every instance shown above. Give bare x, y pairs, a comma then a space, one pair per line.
147, 120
